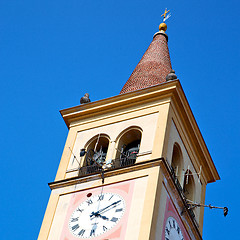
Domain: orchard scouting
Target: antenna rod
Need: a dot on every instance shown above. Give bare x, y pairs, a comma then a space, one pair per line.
121, 152
74, 157
187, 175
200, 173
193, 205
96, 143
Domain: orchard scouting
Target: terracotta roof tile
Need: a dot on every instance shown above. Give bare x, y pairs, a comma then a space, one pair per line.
152, 68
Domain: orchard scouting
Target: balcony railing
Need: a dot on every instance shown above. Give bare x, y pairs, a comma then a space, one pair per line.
177, 183
116, 163
180, 189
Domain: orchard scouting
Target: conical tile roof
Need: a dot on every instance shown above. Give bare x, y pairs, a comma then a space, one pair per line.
154, 66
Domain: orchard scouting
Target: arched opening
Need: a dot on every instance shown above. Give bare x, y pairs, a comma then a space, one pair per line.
128, 146
96, 150
177, 163
189, 186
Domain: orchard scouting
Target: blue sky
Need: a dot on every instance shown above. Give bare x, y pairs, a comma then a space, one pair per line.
52, 52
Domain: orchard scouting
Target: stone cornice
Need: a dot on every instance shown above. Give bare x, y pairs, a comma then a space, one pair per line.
117, 103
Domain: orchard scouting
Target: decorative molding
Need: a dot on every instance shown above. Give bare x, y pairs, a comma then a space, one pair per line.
144, 153
107, 173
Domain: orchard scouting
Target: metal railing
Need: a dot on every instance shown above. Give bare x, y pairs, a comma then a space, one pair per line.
177, 183
181, 191
115, 163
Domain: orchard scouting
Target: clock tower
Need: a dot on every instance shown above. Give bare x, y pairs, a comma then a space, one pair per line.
133, 163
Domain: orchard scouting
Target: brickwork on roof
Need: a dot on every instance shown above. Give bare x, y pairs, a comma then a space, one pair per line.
152, 68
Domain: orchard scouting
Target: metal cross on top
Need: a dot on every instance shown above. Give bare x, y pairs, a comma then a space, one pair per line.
165, 16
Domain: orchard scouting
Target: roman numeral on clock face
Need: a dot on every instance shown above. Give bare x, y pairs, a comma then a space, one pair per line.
170, 224
92, 232
104, 228
75, 227
74, 219
167, 230
100, 198
114, 219
80, 210
119, 210
89, 202
81, 232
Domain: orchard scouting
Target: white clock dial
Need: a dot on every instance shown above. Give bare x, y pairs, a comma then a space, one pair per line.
97, 215
172, 230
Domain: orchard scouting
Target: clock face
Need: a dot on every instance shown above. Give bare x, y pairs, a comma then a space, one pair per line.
172, 230
97, 215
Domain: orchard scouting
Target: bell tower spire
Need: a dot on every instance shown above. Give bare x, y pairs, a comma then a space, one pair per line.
135, 166
155, 64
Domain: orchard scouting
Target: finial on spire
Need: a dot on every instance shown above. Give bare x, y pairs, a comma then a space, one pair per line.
165, 16
163, 25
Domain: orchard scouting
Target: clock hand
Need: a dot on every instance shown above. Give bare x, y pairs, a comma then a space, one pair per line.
99, 215
113, 204
103, 217
99, 211
105, 210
